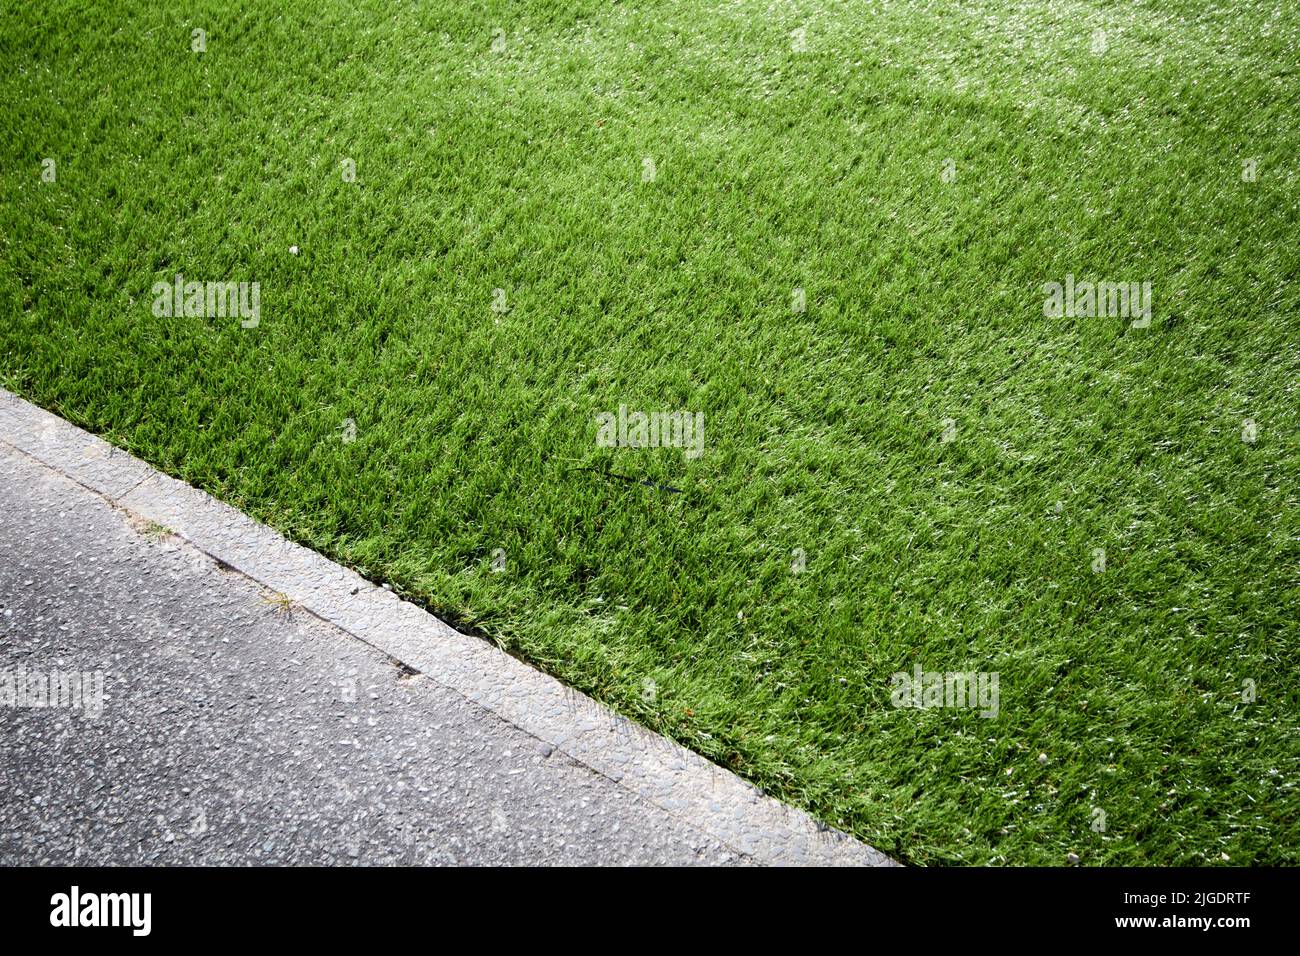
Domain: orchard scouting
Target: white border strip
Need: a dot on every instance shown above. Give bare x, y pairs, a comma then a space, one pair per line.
649, 765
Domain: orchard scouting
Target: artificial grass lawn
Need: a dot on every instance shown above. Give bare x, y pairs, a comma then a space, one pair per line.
522, 169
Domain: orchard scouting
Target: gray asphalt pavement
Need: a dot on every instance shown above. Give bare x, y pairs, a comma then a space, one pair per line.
230, 730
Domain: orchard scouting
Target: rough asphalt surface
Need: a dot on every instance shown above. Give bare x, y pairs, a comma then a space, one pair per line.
234, 731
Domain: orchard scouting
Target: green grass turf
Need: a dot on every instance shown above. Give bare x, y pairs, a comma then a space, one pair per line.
820, 169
